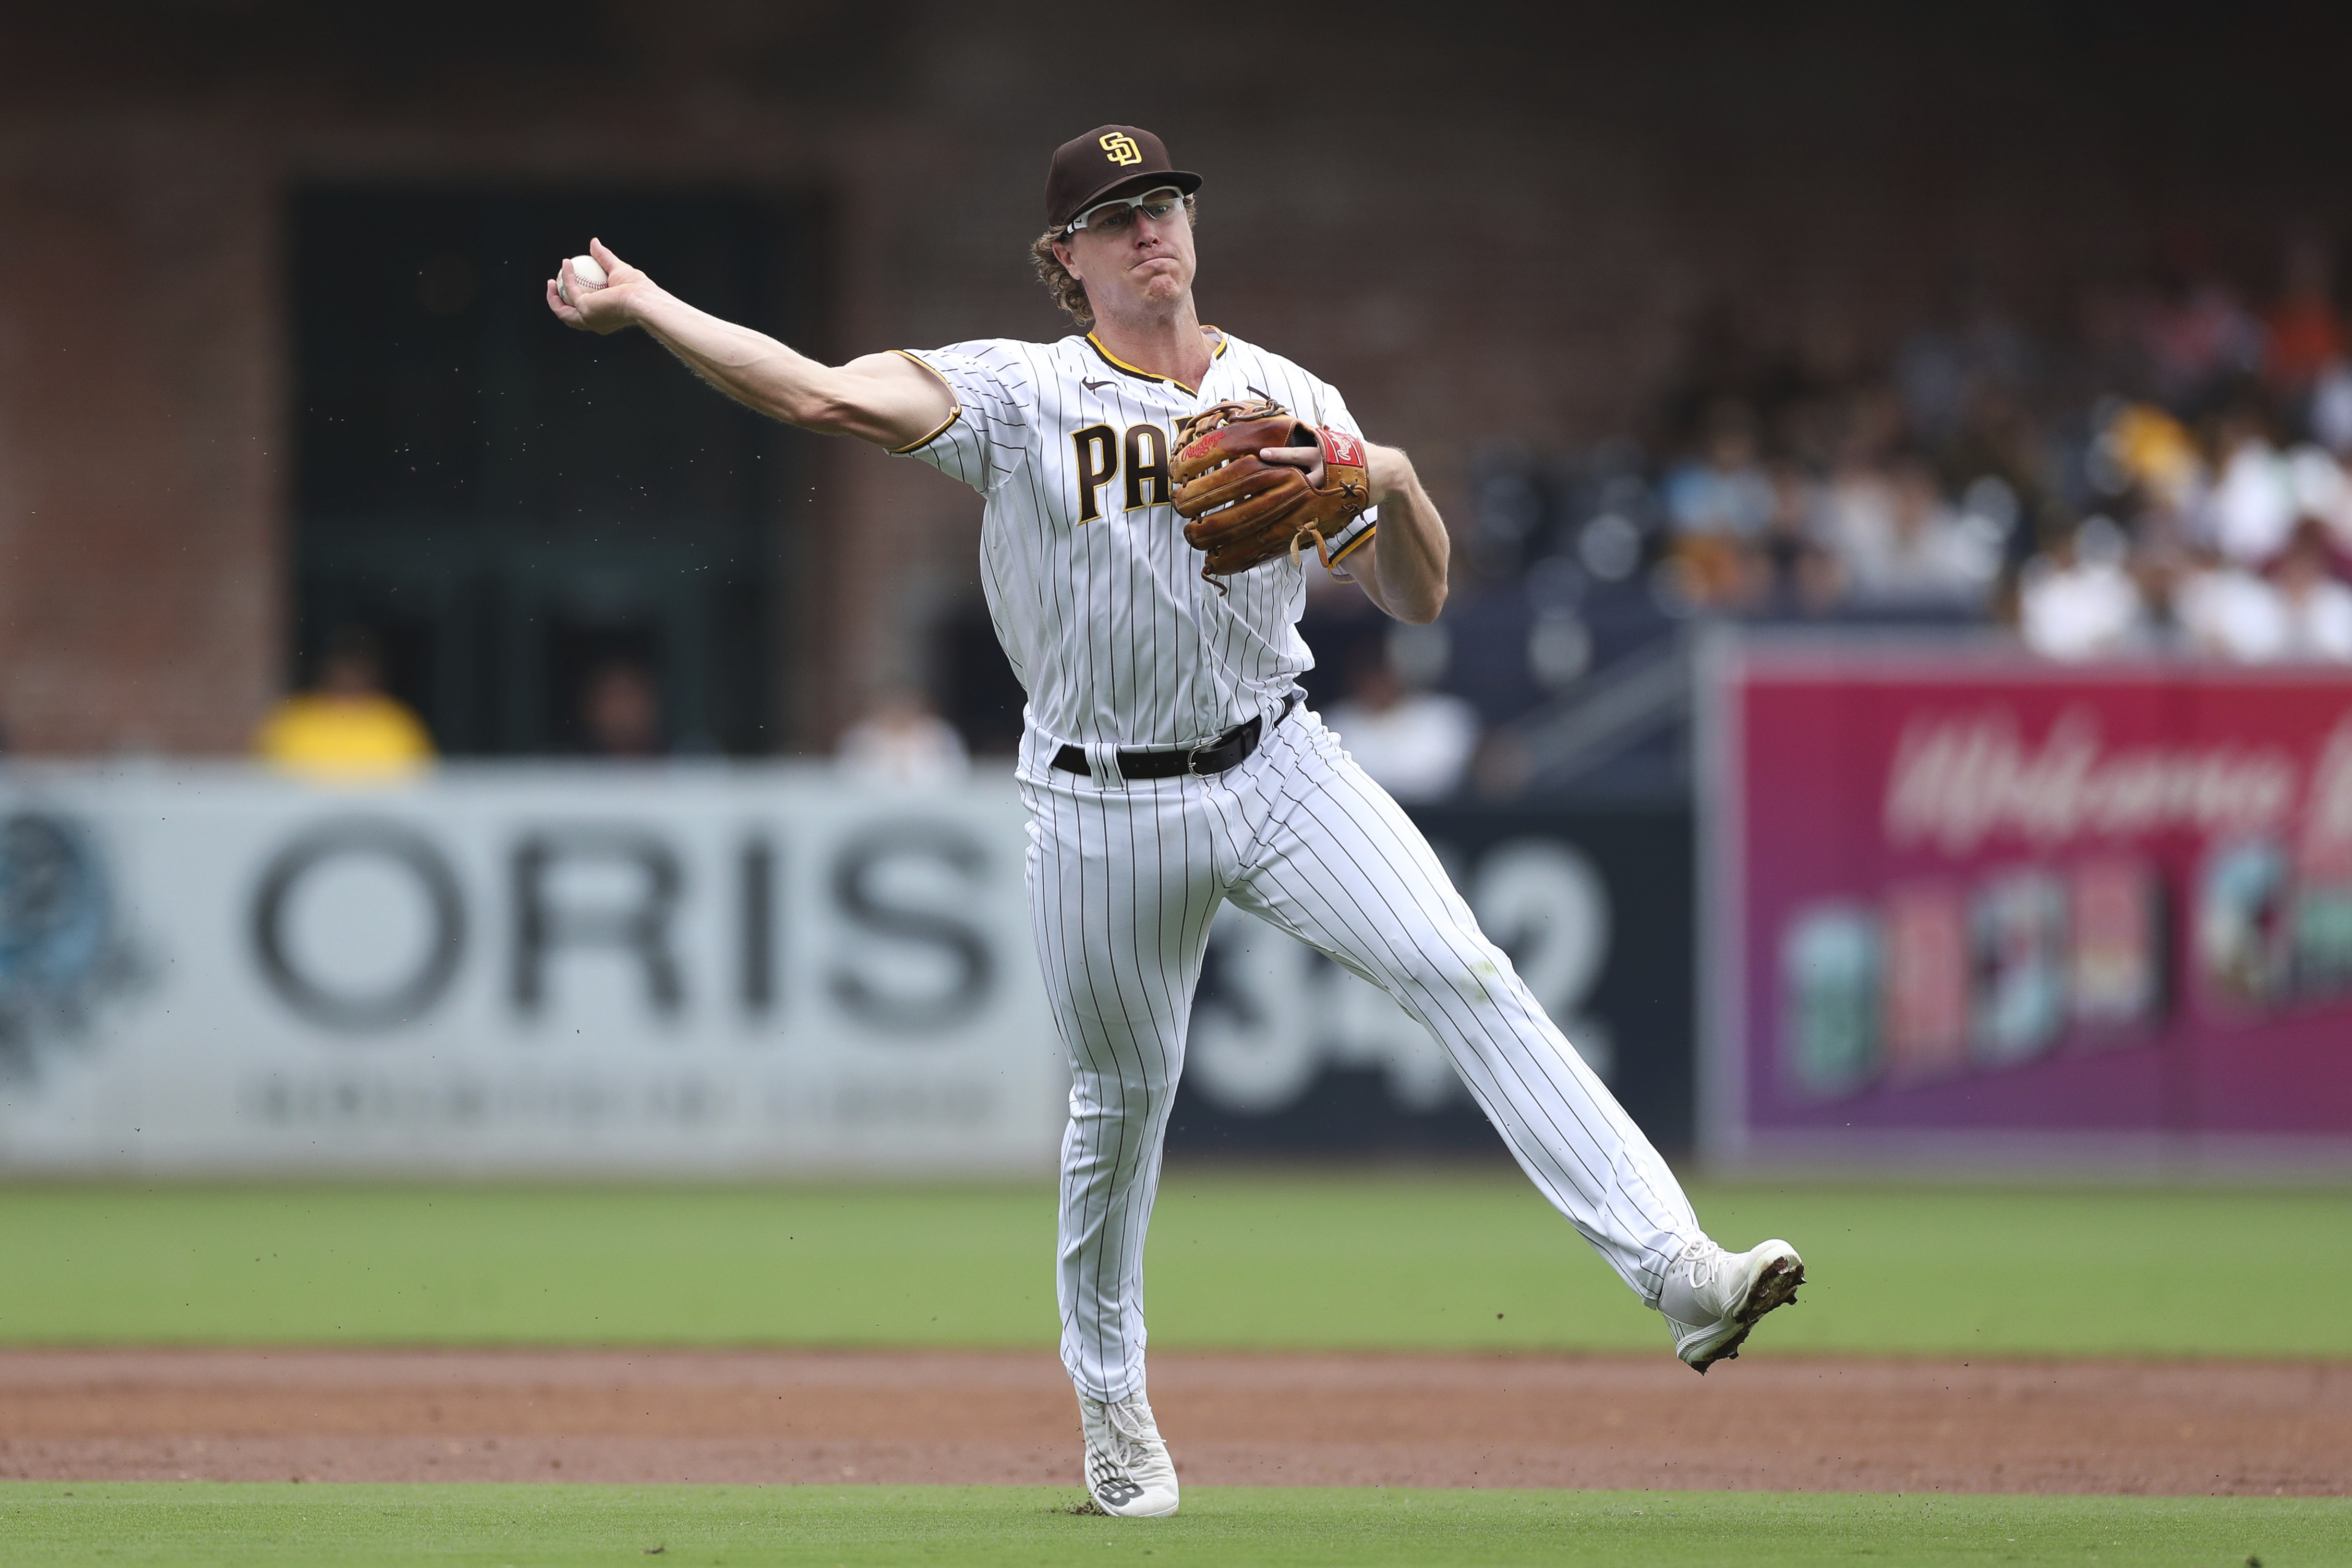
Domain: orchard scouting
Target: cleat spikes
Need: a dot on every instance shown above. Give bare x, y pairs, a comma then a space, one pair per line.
1712, 1300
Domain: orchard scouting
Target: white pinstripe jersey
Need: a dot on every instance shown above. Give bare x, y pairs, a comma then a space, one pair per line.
1098, 601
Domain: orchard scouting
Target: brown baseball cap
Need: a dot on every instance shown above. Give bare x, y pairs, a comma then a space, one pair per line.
1109, 160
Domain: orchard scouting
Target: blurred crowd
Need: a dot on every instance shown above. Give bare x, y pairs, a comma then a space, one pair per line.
2165, 470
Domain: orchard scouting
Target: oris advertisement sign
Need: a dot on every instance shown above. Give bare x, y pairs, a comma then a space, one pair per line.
707, 970
527, 968
1965, 903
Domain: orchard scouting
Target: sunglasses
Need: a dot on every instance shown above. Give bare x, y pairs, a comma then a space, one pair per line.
1115, 215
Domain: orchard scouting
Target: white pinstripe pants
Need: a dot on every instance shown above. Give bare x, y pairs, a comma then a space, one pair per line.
1123, 881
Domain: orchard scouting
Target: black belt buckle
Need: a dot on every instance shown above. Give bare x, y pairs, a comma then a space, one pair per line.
1239, 735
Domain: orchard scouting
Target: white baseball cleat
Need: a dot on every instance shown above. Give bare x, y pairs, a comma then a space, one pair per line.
1129, 1472
1712, 1298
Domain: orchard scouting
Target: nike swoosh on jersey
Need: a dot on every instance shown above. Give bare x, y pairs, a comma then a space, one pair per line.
1094, 385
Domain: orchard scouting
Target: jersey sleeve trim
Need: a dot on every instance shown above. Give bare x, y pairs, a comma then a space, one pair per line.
1349, 541
954, 411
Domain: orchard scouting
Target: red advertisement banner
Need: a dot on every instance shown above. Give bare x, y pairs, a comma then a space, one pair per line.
1960, 893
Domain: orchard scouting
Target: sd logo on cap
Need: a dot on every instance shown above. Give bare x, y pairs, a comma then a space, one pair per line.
1109, 160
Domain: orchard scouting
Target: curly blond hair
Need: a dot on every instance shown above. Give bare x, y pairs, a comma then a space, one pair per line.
1067, 291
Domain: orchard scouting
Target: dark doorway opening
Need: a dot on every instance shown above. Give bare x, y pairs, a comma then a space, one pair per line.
508, 504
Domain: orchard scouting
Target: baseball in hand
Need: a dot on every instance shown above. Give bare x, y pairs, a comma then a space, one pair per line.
588, 271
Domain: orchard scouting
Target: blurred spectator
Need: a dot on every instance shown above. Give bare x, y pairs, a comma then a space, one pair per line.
2254, 501
1414, 744
1718, 504
903, 741
2194, 337
2140, 444
2320, 490
2330, 410
2075, 600
1910, 548
2305, 332
2226, 612
346, 727
1792, 571
1858, 502
2316, 606
1722, 492
1945, 365
621, 712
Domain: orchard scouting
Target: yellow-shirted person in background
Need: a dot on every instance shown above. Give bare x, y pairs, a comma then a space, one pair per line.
346, 727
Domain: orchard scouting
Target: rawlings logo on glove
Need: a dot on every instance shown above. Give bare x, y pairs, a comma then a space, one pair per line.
1242, 510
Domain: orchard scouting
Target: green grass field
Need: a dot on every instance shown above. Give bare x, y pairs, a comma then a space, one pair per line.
1241, 1259
69, 1526
1267, 1258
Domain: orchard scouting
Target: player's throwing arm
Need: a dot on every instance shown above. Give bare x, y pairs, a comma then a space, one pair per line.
884, 398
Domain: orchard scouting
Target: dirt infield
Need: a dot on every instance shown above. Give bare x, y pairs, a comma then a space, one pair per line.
1401, 1420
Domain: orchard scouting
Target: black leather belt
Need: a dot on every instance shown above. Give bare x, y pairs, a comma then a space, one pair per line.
1229, 749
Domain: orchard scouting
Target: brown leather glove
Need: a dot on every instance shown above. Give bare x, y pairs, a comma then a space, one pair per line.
1242, 511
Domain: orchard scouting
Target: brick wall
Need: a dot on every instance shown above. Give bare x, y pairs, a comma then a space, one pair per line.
141, 463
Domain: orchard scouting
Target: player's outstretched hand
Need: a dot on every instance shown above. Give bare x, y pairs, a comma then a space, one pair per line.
595, 306
1307, 458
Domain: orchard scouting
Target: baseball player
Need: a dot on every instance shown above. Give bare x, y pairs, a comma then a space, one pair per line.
1168, 764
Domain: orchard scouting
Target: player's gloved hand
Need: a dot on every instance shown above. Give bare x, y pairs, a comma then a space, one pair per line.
600, 308
1253, 482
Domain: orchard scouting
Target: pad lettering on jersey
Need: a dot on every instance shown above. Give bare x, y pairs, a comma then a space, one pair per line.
1096, 448
1146, 466
1095, 458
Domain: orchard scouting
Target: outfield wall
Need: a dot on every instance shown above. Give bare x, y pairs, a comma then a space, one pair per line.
703, 969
